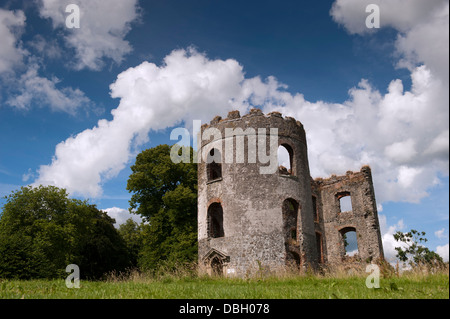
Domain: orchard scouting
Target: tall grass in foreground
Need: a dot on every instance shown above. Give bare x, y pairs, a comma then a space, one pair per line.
184, 282
341, 271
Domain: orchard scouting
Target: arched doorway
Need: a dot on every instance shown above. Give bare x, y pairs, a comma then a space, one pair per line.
216, 266
290, 231
216, 262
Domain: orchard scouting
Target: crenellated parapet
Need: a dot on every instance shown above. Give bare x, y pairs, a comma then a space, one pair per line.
255, 120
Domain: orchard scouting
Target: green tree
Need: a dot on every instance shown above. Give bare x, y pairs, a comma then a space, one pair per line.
414, 251
100, 249
131, 232
34, 242
42, 230
165, 195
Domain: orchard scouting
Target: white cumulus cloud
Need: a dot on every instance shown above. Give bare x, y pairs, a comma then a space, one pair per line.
187, 86
24, 86
440, 233
389, 243
387, 237
399, 134
33, 89
410, 128
402, 134
103, 27
422, 28
121, 215
190, 86
443, 251
11, 27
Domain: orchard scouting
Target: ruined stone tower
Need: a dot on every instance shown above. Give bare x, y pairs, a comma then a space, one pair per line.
252, 217
332, 222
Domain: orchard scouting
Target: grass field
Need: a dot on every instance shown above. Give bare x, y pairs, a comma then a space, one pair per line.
415, 286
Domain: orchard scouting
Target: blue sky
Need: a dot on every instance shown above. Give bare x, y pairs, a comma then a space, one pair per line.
77, 105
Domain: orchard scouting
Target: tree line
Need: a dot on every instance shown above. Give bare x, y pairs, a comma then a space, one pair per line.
42, 229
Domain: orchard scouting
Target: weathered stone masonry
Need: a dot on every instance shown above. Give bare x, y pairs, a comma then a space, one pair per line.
248, 221
332, 223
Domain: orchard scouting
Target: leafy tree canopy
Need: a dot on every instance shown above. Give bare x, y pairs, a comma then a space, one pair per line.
414, 251
42, 230
131, 232
165, 195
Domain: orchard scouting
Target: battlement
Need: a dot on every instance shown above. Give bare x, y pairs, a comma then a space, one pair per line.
256, 119
349, 177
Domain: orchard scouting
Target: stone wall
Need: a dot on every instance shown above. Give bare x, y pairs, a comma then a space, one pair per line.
362, 218
267, 221
252, 202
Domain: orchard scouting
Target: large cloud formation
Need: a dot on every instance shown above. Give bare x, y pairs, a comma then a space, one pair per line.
402, 134
101, 36
30, 88
103, 27
187, 86
410, 138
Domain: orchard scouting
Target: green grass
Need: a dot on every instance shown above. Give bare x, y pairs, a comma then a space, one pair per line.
431, 286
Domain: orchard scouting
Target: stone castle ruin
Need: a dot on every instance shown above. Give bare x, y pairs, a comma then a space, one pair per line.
248, 221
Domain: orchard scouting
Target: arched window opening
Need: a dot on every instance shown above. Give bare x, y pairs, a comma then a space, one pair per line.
290, 213
285, 159
215, 221
345, 202
213, 165
350, 243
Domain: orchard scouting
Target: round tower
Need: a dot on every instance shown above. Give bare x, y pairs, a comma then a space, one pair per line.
253, 215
